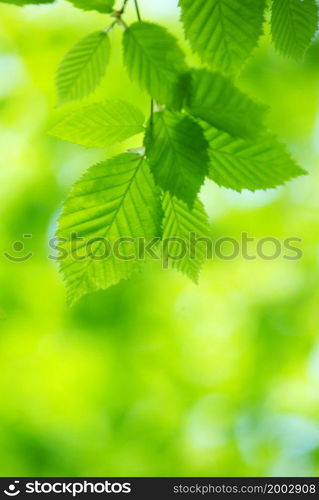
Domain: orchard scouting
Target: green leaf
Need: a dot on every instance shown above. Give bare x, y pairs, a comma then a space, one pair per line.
216, 100
104, 6
21, 3
177, 153
242, 164
180, 223
3, 315
83, 67
155, 61
114, 199
223, 32
293, 25
100, 124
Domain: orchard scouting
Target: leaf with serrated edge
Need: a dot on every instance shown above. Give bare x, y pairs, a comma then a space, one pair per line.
116, 198
223, 32
293, 26
244, 164
83, 67
190, 226
215, 99
103, 6
155, 61
100, 124
177, 153
21, 3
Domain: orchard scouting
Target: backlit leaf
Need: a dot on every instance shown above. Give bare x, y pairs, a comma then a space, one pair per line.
114, 199
83, 67
20, 3
155, 61
99, 5
215, 99
186, 233
177, 153
293, 25
100, 124
223, 32
244, 164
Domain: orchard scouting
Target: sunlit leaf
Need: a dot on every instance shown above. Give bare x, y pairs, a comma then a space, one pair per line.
293, 25
177, 152
215, 99
155, 61
114, 199
20, 3
223, 32
245, 164
186, 250
99, 5
100, 124
83, 67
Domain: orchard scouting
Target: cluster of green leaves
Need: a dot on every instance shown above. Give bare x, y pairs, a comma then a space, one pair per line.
203, 126
225, 32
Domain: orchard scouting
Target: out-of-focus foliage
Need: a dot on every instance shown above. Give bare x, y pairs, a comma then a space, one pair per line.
155, 376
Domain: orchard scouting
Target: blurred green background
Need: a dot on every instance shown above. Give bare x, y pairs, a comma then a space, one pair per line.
155, 376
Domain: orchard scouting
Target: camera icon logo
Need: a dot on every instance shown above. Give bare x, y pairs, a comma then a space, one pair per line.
18, 254
13, 491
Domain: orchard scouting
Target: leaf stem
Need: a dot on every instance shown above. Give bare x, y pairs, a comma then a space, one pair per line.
111, 26
138, 12
122, 10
